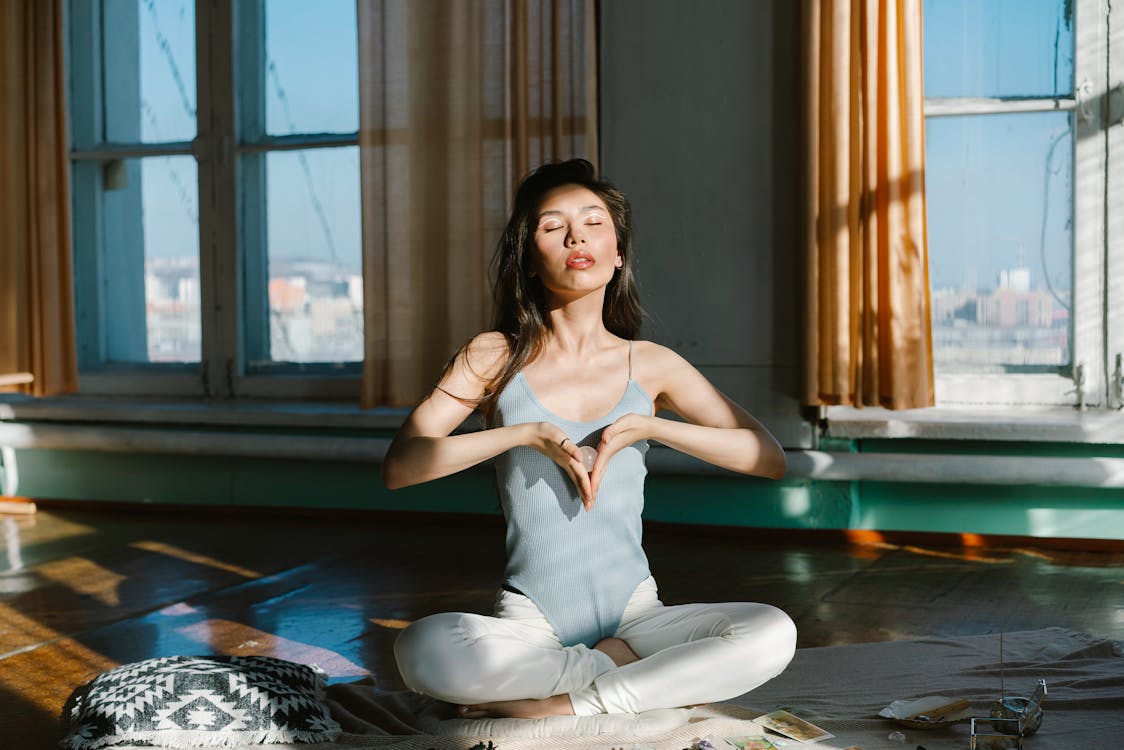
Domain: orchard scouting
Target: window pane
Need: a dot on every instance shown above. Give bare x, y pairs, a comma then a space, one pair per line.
995, 48
149, 87
149, 267
312, 67
999, 190
315, 287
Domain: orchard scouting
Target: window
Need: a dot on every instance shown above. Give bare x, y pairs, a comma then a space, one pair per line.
216, 197
1016, 173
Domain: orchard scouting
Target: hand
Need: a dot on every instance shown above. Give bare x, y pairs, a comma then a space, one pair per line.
629, 429
552, 442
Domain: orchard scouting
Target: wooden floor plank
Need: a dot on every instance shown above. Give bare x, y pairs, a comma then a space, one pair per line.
83, 591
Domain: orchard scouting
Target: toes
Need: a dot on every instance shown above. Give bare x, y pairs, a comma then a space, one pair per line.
471, 712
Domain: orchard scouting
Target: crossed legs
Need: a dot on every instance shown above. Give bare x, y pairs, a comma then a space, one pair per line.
514, 665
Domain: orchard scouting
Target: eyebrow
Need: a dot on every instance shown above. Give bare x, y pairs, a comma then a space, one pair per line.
584, 210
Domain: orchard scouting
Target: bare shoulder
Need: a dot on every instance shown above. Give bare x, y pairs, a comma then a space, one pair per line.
481, 359
650, 355
656, 367
678, 386
485, 354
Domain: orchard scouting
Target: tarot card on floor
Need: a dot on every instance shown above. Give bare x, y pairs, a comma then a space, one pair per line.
789, 725
751, 743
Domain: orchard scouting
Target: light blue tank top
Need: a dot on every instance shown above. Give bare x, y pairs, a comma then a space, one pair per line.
578, 567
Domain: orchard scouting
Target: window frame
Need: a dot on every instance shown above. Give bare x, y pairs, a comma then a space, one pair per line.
246, 231
232, 247
1110, 109
1089, 294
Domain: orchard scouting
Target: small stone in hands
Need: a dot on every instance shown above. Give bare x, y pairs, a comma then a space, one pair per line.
589, 456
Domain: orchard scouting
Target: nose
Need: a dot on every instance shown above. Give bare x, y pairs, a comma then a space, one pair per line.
575, 236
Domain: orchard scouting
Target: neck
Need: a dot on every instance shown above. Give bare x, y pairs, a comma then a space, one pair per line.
576, 325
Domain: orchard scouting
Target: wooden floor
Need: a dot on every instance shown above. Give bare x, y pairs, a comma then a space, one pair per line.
83, 591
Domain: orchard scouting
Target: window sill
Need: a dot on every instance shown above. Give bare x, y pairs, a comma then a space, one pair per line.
195, 412
1046, 424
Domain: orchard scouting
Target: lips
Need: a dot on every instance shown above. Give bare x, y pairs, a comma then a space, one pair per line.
579, 260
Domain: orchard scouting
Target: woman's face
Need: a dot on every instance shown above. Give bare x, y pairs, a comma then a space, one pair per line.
575, 242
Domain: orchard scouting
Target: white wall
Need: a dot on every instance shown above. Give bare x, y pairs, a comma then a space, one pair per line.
699, 126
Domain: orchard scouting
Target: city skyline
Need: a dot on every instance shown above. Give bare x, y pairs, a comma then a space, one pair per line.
999, 187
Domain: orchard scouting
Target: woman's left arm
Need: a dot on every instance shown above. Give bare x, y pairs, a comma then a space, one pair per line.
716, 429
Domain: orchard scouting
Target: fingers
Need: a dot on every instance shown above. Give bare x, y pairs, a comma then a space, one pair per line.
606, 449
570, 449
620, 434
571, 461
560, 448
581, 482
585, 489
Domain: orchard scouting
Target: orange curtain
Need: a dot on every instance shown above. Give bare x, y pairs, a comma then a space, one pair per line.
868, 337
37, 340
458, 100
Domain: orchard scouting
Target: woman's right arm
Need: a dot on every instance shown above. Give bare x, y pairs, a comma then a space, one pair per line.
420, 452
424, 448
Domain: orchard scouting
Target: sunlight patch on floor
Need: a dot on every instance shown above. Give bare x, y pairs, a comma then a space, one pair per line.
968, 555
235, 639
84, 577
170, 550
19, 632
44, 676
25, 532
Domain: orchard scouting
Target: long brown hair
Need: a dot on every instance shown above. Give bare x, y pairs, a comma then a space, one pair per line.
519, 303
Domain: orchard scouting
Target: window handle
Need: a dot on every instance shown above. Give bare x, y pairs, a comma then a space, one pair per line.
199, 149
1118, 382
1085, 100
1079, 387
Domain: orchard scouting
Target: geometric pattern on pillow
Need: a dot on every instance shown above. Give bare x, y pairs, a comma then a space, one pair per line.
193, 701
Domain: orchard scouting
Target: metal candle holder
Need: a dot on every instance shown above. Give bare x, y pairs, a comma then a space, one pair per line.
1011, 718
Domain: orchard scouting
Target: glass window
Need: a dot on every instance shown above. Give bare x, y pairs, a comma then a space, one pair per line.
1000, 185
207, 257
1019, 149
998, 48
298, 98
315, 269
149, 64
312, 67
1000, 211
148, 288
135, 185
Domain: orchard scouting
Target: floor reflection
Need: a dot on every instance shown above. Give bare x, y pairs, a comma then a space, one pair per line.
87, 591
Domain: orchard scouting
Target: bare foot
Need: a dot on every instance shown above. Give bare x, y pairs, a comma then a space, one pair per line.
530, 708
618, 651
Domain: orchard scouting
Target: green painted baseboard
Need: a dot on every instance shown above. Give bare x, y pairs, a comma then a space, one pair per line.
718, 500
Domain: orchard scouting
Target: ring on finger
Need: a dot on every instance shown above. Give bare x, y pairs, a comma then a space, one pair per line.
562, 443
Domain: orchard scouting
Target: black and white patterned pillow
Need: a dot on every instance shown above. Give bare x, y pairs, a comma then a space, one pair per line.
192, 701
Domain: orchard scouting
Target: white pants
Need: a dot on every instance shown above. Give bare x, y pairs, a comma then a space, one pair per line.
689, 654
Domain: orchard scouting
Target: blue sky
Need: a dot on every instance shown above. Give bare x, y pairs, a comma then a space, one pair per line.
987, 176
312, 88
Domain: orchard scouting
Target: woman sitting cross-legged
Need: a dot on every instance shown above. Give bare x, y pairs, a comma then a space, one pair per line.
578, 627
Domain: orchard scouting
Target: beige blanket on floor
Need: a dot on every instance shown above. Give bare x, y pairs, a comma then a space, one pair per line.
841, 688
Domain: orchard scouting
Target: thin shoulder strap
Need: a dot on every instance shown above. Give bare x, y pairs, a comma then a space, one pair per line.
630, 360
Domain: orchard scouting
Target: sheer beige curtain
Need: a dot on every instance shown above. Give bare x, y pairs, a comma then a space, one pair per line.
868, 338
458, 100
37, 346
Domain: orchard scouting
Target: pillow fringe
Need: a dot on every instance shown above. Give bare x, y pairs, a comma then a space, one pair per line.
182, 738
